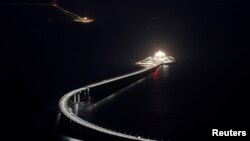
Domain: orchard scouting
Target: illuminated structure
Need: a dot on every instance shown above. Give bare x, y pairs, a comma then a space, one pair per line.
84, 19
74, 96
54, 4
76, 17
159, 58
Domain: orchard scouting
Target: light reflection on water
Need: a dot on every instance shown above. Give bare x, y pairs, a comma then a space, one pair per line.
158, 85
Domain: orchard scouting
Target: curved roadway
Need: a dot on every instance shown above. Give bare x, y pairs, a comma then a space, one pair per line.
63, 104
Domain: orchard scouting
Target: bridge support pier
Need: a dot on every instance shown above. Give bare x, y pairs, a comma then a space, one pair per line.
86, 95
77, 98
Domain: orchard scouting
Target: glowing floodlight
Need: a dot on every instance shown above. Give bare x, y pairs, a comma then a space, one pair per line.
160, 56
158, 59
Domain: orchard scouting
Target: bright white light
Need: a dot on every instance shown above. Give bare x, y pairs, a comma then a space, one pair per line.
160, 56
84, 20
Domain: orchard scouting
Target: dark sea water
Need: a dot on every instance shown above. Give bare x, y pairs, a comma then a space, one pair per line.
44, 54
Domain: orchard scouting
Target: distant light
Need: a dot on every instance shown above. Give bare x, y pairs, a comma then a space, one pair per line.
84, 20
160, 56
55, 3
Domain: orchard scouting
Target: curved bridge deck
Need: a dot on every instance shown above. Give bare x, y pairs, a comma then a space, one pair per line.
67, 111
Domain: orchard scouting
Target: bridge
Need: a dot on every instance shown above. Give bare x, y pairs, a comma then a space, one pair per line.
150, 63
76, 17
55, 4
